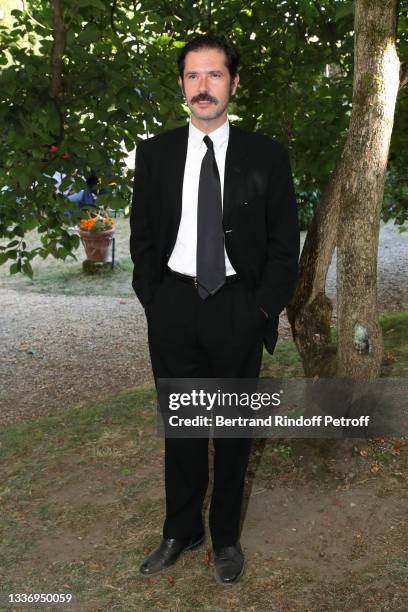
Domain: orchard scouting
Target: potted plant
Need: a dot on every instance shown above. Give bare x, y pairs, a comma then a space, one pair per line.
97, 233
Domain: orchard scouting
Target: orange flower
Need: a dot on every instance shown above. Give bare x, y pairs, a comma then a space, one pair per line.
97, 221
86, 224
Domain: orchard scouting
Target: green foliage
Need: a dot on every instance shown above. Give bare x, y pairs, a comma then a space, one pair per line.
98, 107
307, 202
284, 450
119, 82
395, 205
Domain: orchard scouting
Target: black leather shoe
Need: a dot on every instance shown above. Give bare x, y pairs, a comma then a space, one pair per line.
229, 564
167, 554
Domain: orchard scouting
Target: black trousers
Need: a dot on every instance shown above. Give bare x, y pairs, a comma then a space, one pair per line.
222, 337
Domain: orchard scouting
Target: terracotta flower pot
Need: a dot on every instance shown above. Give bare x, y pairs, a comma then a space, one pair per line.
97, 245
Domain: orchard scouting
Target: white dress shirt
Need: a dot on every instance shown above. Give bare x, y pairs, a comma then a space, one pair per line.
183, 257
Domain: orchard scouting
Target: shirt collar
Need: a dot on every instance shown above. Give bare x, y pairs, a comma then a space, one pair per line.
218, 136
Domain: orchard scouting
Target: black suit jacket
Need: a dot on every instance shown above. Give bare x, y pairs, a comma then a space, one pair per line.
259, 216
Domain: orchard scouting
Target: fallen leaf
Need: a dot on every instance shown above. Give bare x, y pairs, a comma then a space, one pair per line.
170, 581
337, 502
398, 444
207, 557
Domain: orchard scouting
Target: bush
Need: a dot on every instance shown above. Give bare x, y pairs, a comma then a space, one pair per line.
307, 202
395, 204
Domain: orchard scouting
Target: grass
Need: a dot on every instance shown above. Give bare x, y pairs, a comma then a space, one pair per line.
99, 546
82, 502
57, 276
285, 362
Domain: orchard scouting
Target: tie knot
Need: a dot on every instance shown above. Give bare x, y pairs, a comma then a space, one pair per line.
209, 143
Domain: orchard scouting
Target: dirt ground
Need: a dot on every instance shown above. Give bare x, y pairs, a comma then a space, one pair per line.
84, 504
60, 346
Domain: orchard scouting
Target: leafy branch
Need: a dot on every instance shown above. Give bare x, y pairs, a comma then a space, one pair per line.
57, 52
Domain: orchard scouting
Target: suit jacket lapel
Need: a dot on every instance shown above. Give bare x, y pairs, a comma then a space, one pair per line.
234, 174
177, 155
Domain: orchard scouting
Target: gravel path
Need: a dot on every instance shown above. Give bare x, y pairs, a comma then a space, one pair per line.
57, 351
392, 270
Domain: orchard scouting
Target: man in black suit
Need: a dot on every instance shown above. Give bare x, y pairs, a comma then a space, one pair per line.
215, 246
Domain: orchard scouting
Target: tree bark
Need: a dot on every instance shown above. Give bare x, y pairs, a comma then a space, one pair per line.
348, 215
375, 89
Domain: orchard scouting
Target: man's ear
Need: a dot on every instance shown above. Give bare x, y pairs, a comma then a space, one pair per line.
234, 84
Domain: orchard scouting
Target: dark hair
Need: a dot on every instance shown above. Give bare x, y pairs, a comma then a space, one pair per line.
211, 41
92, 180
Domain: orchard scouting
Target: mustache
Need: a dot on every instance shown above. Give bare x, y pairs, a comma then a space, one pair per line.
204, 97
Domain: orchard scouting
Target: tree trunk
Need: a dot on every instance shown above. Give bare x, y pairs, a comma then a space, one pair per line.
348, 215
375, 88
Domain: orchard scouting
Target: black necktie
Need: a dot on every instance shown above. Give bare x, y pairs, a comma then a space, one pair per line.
210, 235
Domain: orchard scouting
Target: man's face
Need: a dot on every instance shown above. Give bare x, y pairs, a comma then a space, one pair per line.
207, 84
